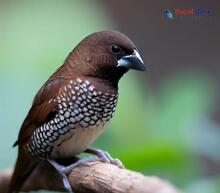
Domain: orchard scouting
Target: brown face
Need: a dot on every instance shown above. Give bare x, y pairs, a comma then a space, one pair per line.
108, 55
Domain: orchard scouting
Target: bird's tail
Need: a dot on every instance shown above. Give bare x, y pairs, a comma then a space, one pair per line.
23, 168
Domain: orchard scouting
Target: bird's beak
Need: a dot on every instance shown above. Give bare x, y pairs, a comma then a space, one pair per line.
133, 61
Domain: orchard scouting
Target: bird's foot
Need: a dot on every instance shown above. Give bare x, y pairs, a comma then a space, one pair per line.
102, 156
105, 157
61, 170
65, 170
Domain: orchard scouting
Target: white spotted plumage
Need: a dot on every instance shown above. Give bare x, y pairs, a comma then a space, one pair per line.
81, 109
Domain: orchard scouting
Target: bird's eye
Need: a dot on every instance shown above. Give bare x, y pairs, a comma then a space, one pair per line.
115, 49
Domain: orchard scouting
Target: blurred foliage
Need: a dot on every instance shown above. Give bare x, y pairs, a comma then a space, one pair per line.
158, 133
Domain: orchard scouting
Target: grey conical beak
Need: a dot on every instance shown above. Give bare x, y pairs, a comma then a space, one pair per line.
133, 61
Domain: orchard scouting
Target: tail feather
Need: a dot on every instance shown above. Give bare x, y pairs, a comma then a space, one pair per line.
23, 168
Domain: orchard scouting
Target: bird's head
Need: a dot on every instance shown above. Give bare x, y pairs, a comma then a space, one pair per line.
107, 55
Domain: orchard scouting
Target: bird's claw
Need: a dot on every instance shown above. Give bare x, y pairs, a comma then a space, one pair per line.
102, 156
63, 172
105, 157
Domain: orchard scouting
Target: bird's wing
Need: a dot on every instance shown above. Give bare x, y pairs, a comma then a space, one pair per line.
43, 108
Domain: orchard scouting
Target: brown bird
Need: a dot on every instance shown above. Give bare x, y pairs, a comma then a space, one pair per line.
73, 107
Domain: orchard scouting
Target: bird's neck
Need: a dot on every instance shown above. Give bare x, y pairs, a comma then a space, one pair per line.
103, 85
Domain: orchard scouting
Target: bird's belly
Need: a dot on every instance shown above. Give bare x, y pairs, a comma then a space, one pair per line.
76, 141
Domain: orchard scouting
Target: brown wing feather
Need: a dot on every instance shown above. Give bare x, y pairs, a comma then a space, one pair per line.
41, 108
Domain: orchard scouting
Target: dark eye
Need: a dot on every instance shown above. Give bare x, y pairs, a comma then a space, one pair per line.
115, 49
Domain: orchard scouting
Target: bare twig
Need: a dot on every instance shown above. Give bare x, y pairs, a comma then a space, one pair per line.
93, 177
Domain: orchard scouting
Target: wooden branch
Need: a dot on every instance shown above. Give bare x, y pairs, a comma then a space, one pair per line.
95, 177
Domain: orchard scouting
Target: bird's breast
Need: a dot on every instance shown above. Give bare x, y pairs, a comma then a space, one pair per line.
76, 141
82, 113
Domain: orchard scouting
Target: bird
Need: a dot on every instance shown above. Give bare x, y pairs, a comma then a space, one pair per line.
74, 106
